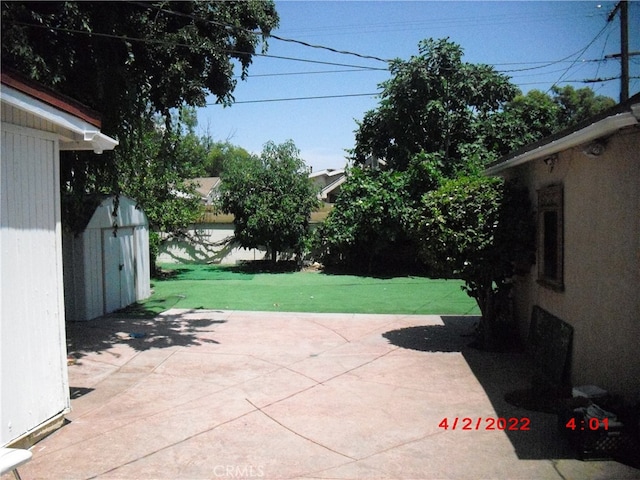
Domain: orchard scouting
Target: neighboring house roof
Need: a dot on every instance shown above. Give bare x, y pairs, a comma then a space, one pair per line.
77, 125
328, 173
332, 187
328, 180
205, 186
591, 130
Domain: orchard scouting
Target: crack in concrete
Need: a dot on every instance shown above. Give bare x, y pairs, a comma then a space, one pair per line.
298, 433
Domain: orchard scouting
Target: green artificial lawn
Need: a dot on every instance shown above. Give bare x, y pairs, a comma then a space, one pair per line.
229, 288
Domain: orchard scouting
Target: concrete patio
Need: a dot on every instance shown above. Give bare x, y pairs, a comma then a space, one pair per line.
202, 394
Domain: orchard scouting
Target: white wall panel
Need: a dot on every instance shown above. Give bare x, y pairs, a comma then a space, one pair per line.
32, 337
143, 271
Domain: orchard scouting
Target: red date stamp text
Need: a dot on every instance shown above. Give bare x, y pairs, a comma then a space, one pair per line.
486, 423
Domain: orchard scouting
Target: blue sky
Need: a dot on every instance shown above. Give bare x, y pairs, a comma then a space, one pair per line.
536, 43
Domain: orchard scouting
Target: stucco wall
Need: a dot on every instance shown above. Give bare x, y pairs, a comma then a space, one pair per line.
208, 244
601, 298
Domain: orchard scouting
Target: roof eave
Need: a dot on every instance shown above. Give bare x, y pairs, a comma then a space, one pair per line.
83, 135
583, 136
602, 125
93, 140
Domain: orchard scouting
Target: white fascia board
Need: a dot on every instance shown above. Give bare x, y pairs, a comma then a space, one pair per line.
588, 134
92, 140
89, 137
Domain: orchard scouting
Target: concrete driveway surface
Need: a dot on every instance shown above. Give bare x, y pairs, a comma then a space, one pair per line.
197, 394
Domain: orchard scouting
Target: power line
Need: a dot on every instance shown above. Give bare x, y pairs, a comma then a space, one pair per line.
541, 65
559, 61
316, 72
536, 74
280, 57
321, 97
552, 61
579, 53
606, 41
598, 80
586, 80
321, 47
178, 44
433, 23
268, 35
318, 97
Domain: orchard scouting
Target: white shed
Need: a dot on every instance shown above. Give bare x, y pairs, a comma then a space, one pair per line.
36, 125
106, 267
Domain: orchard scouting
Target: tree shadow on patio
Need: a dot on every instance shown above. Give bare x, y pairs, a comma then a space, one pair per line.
140, 333
498, 373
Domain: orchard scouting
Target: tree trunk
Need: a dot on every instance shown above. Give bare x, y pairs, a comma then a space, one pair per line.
486, 301
496, 322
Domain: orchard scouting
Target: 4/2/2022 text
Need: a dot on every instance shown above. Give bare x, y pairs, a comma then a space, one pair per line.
485, 423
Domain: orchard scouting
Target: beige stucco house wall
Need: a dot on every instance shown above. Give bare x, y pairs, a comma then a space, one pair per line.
597, 167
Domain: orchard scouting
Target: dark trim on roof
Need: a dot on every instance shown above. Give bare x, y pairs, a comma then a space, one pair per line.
44, 94
615, 110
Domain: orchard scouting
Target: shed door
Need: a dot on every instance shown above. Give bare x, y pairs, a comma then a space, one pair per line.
119, 272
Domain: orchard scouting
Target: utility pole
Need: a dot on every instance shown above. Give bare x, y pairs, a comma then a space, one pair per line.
624, 47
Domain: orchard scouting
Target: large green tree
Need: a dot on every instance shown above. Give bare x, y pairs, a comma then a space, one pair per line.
433, 103
440, 117
425, 128
128, 58
218, 153
481, 230
271, 198
523, 120
576, 105
531, 117
138, 64
368, 222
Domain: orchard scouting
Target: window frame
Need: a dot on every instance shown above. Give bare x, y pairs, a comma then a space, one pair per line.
551, 200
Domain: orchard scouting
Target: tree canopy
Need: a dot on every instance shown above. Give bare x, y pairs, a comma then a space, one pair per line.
367, 222
138, 64
528, 118
481, 230
433, 103
576, 105
219, 153
126, 59
271, 198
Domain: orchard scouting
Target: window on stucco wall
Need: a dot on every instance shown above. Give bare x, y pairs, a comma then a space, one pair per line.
550, 237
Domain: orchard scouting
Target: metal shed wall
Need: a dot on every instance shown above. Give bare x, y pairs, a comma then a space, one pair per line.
107, 267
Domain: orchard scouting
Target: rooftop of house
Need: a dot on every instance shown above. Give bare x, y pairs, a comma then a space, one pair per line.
205, 184
49, 96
